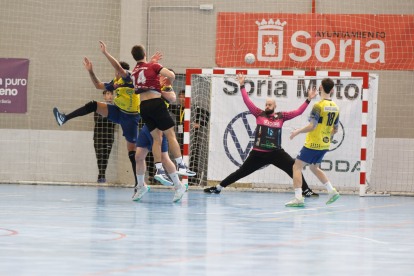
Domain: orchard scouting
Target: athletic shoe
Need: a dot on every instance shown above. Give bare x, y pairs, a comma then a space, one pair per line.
163, 178
295, 202
309, 193
332, 197
140, 192
60, 117
212, 190
179, 192
184, 170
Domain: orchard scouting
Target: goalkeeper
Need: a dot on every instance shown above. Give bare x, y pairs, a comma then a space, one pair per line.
269, 129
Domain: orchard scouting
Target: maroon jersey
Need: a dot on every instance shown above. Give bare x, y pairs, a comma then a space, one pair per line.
145, 77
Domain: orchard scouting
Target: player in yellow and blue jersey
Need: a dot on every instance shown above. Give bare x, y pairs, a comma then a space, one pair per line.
324, 121
125, 111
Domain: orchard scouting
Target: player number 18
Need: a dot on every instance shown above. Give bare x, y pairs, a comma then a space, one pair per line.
331, 116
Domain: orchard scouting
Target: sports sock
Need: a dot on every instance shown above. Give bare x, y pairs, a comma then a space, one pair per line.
328, 186
175, 179
298, 193
140, 180
179, 160
158, 165
84, 110
218, 187
131, 156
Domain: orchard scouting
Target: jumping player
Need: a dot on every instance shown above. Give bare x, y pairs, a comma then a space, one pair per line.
269, 129
153, 109
324, 121
125, 111
144, 145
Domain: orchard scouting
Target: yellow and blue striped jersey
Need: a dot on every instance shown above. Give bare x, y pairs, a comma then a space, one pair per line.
325, 115
125, 97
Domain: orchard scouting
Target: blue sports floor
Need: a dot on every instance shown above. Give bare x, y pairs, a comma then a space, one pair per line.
69, 230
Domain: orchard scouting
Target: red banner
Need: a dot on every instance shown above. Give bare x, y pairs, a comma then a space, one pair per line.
322, 41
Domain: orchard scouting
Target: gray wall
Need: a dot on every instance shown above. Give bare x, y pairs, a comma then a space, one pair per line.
56, 35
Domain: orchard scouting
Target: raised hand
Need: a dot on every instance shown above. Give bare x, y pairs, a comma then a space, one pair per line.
240, 78
155, 58
312, 94
88, 65
103, 47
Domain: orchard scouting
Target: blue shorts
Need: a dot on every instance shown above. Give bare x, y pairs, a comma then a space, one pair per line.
145, 140
128, 122
311, 156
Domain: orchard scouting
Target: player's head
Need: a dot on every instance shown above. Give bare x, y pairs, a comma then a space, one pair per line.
270, 106
138, 52
181, 97
124, 66
327, 86
165, 80
108, 96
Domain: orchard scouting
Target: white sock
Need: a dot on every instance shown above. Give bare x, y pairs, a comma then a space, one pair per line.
218, 187
158, 166
298, 193
175, 179
328, 186
140, 179
179, 160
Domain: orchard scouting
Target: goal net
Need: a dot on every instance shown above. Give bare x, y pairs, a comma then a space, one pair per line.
225, 143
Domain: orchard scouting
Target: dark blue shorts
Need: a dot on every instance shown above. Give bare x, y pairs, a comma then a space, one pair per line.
128, 122
145, 140
311, 156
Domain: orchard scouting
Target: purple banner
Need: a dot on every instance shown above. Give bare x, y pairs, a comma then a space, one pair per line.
14, 73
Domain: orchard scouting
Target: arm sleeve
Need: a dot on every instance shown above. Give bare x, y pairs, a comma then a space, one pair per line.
250, 105
157, 67
315, 114
292, 114
128, 77
109, 86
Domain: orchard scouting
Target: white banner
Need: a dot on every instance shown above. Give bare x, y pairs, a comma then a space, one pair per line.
232, 128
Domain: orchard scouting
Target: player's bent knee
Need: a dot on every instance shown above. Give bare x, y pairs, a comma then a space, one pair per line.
91, 106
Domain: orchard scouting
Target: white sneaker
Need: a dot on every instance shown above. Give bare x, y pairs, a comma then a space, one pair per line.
179, 192
140, 192
184, 170
332, 197
296, 202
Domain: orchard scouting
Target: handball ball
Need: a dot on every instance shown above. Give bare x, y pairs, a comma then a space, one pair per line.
249, 58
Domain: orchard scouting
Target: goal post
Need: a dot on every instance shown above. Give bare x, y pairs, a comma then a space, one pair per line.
352, 151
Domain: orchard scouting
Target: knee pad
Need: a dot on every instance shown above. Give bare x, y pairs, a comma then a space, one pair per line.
91, 106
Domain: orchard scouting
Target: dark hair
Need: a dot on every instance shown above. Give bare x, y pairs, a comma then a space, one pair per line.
138, 52
182, 92
327, 85
124, 65
171, 70
104, 92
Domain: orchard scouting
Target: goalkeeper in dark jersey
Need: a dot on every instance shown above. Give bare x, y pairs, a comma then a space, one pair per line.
268, 121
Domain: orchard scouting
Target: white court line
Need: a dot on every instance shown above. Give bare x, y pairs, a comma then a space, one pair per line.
354, 237
298, 210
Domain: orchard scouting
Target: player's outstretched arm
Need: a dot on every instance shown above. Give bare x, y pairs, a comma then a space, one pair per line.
121, 71
168, 74
250, 105
88, 65
306, 129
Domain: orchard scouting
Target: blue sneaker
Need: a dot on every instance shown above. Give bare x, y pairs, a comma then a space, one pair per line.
184, 170
60, 117
163, 178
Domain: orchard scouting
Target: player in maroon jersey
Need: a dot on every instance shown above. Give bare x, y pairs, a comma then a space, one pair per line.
154, 112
